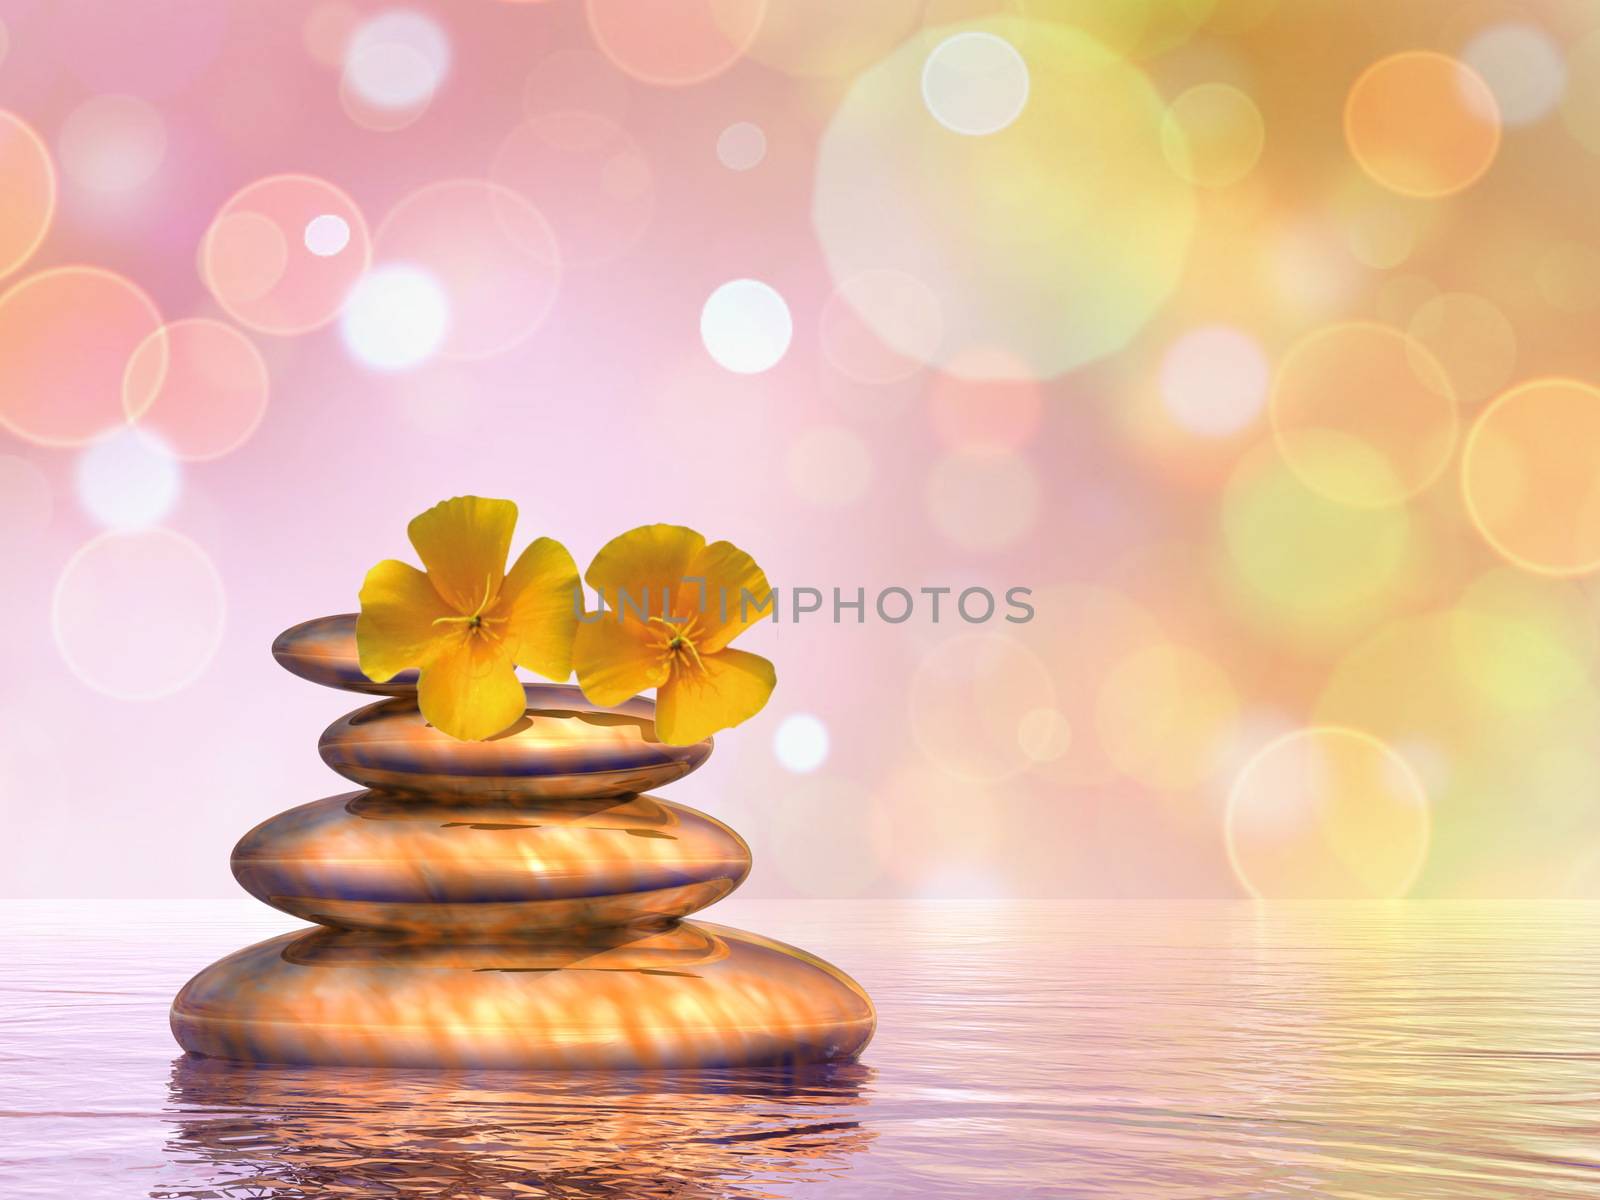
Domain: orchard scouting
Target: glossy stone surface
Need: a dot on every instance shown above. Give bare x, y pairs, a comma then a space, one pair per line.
690, 995
563, 747
514, 902
324, 651
375, 861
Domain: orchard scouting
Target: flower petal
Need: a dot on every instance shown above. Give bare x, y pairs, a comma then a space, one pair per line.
728, 573
464, 543
732, 687
470, 690
540, 600
617, 659
651, 556
395, 630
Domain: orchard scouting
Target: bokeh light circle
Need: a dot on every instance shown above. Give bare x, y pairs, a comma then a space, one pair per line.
28, 200
1327, 813
1309, 272
1214, 381
327, 234
198, 383
746, 327
903, 309
970, 697
257, 263
128, 479
674, 42
829, 466
66, 336
394, 62
1470, 338
138, 615
588, 178
491, 252
398, 318
1523, 66
1363, 414
741, 146
801, 743
1530, 473
393, 65
1212, 135
1051, 241
975, 83
982, 501
1164, 714
1422, 123
112, 143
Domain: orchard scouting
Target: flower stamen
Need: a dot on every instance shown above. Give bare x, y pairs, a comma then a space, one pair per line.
477, 620
681, 650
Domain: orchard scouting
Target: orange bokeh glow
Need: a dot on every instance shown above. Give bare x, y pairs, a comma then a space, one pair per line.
1530, 474
1422, 124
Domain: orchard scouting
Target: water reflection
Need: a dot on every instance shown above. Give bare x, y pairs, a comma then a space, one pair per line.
292, 1132
1097, 1051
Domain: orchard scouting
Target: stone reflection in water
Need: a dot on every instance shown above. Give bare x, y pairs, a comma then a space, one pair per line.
287, 1133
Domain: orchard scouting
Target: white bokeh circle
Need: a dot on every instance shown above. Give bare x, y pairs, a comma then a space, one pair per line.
746, 326
327, 234
1524, 67
741, 146
112, 143
801, 743
128, 479
138, 614
975, 83
397, 60
1214, 381
397, 317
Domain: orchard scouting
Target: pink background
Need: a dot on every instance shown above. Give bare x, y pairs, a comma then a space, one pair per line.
955, 767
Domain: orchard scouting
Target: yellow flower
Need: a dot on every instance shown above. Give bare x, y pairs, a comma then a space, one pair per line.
674, 604
466, 623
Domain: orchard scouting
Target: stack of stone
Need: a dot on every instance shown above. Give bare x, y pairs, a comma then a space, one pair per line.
516, 902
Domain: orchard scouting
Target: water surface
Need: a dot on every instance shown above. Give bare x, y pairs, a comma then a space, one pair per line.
1187, 1051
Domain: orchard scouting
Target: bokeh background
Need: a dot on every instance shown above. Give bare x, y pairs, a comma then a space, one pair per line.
1256, 338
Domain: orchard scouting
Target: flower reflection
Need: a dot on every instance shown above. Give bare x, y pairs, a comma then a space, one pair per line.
291, 1132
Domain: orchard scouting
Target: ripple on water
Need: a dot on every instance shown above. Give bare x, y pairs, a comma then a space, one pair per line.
1205, 1051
